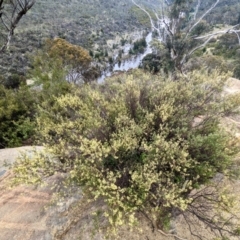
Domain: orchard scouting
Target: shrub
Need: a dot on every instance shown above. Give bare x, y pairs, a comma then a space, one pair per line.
16, 116
139, 46
152, 62
236, 72
136, 141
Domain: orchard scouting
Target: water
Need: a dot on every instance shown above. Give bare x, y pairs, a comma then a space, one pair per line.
130, 63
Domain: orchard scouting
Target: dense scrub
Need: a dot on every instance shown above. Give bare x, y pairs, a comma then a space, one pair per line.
143, 143
17, 108
140, 142
83, 23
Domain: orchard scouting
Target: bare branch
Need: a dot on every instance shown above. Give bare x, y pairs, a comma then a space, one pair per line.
209, 37
12, 15
4, 24
167, 2
151, 21
236, 32
228, 30
207, 12
196, 11
195, 49
175, 38
171, 235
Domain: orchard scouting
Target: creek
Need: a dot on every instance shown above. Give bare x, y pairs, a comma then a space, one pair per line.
129, 63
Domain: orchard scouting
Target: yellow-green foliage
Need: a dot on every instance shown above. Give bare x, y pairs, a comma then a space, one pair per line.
70, 54
63, 59
135, 140
16, 116
49, 74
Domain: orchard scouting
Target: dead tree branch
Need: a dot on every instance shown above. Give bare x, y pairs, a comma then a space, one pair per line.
11, 13
202, 211
201, 18
175, 37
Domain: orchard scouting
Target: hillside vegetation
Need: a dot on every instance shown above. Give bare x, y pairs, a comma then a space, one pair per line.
84, 23
147, 143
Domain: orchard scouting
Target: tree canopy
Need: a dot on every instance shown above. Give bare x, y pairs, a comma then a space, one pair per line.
182, 30
75, 58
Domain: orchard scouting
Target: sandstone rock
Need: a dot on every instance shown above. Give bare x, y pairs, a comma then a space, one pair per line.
9, 155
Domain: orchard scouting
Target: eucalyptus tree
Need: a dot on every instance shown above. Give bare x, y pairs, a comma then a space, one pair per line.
180, 27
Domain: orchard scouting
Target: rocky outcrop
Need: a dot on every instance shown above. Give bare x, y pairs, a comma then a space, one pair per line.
52, 211
56, 212
47, 212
